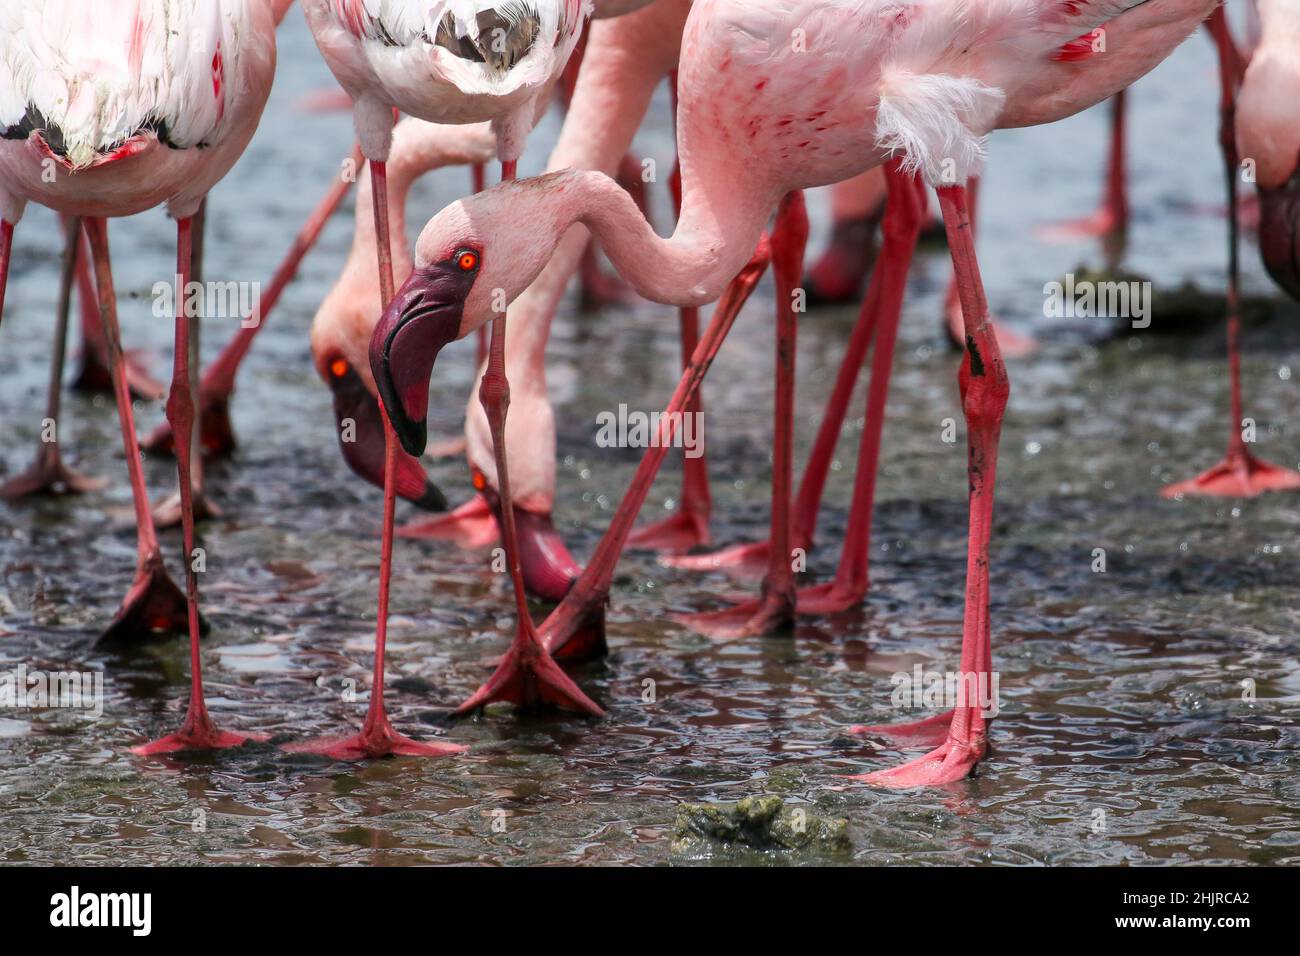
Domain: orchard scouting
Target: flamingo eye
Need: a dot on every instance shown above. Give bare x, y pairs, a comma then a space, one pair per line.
339, 368
466, 261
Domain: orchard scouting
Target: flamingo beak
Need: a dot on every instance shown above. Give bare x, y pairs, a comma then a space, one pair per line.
1279, 233
361, 439
423, 317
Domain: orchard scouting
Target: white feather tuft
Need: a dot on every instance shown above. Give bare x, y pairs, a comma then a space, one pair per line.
939, 123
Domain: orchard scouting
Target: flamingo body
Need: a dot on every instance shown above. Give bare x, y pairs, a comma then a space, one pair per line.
447, 61
98, 120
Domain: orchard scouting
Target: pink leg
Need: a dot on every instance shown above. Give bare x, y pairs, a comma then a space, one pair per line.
6, 252
94, 375
527, 676
217, 437
1240, 474
775, 606
168, 512
576, 627
377, 737
1110, 222
984, 390
48, 474
751, 559
688, 527
154, 603
1012, 344
198, 732
838, 276
902, 225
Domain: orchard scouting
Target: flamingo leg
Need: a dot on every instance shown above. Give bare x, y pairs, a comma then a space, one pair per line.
576, 627
6, 253
198, 732
168, 512
774, 608
94, 376
1012, 343
1240, 474
688, 526
377, 737
1110, 222
154, 603
216, 434
527, 676
750, 559
984, 392
901, 227
48, 474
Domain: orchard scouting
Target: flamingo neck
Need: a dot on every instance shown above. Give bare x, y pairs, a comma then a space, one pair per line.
715, 236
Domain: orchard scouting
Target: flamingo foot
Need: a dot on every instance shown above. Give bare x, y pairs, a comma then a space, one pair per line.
529, 678
677, 534
197, 734
377, 739
1104, 222
765, 615
1239, 475
929, 732
743, 561
583, 640
50, 476
216, 433
94, 377
152, 607
954, 756
950, 762
167, 513
829, 598
471, 526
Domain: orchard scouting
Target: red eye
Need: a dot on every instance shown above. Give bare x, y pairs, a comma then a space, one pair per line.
467, 261
338, 368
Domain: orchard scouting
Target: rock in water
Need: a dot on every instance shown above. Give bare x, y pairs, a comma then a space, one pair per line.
762, 823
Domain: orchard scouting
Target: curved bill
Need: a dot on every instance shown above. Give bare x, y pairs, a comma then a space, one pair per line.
424, 316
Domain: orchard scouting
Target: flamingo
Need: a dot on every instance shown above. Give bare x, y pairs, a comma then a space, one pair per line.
625, 59
135, 106
341, 330
454, 61
1255, 125
926, 81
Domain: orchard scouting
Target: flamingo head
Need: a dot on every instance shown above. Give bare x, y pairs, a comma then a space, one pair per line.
1279, 233
338, 343
461, 280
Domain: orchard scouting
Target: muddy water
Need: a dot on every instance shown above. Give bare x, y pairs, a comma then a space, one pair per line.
1126, 732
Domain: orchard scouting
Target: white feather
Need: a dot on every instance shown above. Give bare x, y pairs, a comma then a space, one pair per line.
938, 122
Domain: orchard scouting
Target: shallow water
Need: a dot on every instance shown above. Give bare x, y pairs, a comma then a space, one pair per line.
1123, 736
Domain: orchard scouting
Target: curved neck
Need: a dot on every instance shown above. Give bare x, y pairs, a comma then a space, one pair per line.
715, 236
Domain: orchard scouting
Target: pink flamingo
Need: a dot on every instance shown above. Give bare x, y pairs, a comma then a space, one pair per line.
134, 106
456, 61
625, 59
341, 330
927, 81
1255, 125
